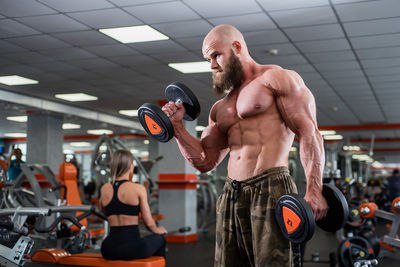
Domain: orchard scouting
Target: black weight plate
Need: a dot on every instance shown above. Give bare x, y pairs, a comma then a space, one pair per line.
354, 249
176, 91
155, 122
294, 218
338, 210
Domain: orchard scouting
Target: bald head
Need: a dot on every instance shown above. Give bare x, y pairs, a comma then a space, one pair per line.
227, 34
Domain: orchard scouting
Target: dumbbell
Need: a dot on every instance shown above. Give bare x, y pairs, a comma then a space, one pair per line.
156, 123
295, 218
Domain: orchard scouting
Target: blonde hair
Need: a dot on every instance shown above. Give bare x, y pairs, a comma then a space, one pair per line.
121, 161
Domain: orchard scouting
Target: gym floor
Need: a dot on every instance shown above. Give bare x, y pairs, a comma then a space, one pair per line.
201, 253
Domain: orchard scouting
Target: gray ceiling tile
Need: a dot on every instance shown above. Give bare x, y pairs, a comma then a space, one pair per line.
345, 55
304, 68
185, 56
187, 29
135, 62
211, 8
385, 78
106, 18
163, 12
348, 82
76, 5
372, 27
384, 40
304, 17
28, 57
323, 45
264, 37
191, 43
38, 42
94, 64
68, 53
386, 86
12, 28
22, 70
262, 50
158, 46
111, 50
85, 38
271, 5
381, 63
20, 8
250, 22
283, 61
383, 71
368, 10
6, 47
342, 65
315, 32
135, 2
378, 52
343, 74
5, 62
56, 66
53, 23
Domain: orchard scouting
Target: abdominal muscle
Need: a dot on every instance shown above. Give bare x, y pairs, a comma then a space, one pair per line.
258, 143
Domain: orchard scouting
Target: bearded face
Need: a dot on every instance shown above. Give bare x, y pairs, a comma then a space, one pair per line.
228, 78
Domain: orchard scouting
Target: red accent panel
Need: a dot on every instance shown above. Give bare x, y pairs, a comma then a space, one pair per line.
177, 176
181, 238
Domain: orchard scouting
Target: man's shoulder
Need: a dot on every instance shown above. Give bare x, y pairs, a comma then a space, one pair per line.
282, 80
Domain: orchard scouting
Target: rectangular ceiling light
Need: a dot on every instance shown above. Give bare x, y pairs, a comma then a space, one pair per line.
200, 128
327, 132
16, 80
129, 112
134, 34
18, 118
80, 144
15, 134
192, 67
76, 97
99, 131
69, 126
333, 137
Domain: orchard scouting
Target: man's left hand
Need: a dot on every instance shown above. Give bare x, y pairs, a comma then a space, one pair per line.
318, 204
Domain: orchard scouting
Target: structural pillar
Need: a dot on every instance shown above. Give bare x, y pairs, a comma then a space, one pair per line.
177, 184
45, 140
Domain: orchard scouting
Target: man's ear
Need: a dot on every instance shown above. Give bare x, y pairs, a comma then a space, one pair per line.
237, 47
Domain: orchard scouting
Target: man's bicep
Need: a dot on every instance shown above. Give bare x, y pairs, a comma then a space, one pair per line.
214, 142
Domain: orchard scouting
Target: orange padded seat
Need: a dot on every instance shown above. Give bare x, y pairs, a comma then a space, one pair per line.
60, 256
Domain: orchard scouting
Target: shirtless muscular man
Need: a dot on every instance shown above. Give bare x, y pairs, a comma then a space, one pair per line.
256, 122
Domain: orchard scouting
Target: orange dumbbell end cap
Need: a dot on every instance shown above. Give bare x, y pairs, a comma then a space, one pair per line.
367, 210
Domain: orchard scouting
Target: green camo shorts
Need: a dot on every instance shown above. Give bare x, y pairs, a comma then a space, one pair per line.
247, 233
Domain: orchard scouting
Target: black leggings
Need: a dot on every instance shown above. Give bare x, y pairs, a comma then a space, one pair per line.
124, 243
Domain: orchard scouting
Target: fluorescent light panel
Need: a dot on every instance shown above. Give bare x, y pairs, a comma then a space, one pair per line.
16, 80
76, 97
18, 118
327, 132
333, 137
129, 112
192, 67
134, 34
69, 126
15, 134
80, 144
200, 128
99, 131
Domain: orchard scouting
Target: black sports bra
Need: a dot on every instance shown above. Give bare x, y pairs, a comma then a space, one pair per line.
116, 207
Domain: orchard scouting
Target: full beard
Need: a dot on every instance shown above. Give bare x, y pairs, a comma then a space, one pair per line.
231, 78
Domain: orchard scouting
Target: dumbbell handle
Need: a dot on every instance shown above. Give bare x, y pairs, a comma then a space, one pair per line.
178, 101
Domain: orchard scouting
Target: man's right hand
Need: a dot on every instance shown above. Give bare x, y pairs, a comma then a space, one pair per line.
174, 111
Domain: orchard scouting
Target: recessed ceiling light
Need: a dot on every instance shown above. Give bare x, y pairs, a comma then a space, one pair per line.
80, 144
200, 128
18, 118
327, 132
129, 112
15, 134
146, 142
293, 149
135, 151
68, 126
192, 67
76, 97
16, 80
333, 137
134, 34
99, 131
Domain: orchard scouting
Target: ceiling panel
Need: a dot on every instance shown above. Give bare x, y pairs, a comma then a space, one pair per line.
38, 42
264, 37
163, 12
53, 23
28, 57
250, 22
282, 49
338, 66
12, 28
331, 56
384, 40
76, 5
166, 46
85, 38
323, 45
371, 27
272, 5
386, 52
368, 10
106, 18
304, 17
68, 53
283, 60
6, 47
383, 71
329, 31
191, 43
381, 63
111, 50
212, 8
186, 29
21, 8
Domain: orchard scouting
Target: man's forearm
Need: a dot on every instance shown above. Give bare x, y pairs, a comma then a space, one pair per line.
312, 156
